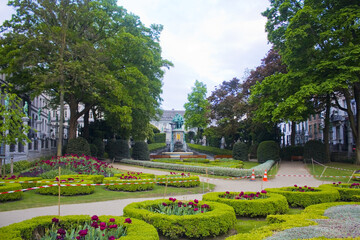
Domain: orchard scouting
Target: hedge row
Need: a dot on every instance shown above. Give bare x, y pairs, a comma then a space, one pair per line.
196, 160
5, 187
66, 191
281, 222
144, 184
94, 178
23, 179
346, 193
305, 199
18, 166
259, 170
28, 229
273, 204
209, 150
156, 146
189, 181
133, 174
218, 221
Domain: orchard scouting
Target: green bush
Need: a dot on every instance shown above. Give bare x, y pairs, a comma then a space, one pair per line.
274, 204
268, 150
78, 177
346, 193
30, 229
18, 166
6, 187
253, 151
175, 181
52, 174
219, 220
78, 146
130, 186
315, 149
209, 150
99, 143
26, 182
159, 137
93, 149
289, 151
240, 151
196, 160
137, 174
67, 190
156, 146
305, 199
356, 177
118, 149
140, 151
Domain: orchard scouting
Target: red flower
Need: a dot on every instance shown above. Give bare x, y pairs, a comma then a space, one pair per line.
113, 226
94, 218
127, 220
61, 231
196, 201
111, 238
83, 232
55, 220
112, 220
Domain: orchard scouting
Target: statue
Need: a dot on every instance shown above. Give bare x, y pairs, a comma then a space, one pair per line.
222, 143
25, 109
178, 120
39, 114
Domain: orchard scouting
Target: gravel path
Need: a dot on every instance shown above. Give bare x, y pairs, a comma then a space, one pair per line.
115, 207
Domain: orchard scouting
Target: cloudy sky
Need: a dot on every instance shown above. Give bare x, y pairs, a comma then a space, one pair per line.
207, 40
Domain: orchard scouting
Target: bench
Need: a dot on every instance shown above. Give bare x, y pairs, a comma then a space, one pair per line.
159, 156
297, 158
192, 156
222, 156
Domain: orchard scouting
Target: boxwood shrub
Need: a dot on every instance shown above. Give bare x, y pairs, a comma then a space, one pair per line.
346, 193
78, 146
29, 229
117, 149
218, 221
305, 199
240, 151
273, 204
209, 150
268, 150
78, 177
67, 190
189, 181
24, 179
140, 151
131, 186
196, 160
18, 166
136, 174
5, 187
315, 149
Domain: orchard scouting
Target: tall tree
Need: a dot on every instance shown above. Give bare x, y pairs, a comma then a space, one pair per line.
197, 108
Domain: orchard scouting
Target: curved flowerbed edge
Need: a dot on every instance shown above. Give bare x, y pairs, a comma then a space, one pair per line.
138, 229
346, 194
281, 222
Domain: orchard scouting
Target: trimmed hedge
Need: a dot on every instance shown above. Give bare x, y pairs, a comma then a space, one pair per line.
356, 177
268, 150
5, 187
132, 186
100, 146
28, 229
282, 222
305, 199
194, 181
219, 220
78, 177
136, 174
18, 166
346, 193
23, 179
209, 150
156, 146
220, 171
240, 151
140, 151
196, 160
274, 204
78, 146
117, 149
289, 151
68, 190
315, 149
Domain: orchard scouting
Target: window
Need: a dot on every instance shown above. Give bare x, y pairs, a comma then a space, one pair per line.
65, 113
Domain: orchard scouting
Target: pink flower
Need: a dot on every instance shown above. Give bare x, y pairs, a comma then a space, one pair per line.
164, 204
227, 192
83, 232
112, 220
94, 225
61, 231
94, 218
55, 220
196, 201
196, 209
102, 228
295, 185
127, 220
113, 226
263, 191
111, 238
103, 224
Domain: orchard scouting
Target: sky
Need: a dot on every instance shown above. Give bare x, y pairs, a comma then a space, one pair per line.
207, 40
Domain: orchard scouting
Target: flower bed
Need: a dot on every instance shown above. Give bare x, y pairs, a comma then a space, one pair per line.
305, 196
66, 190
5, 187
346, 190
131, 186
134, 175
32, 228
277, 223
251, 204
174, 180
220, 219
23, 179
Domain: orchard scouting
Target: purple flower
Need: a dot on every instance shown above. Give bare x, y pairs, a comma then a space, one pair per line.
83, 232
263, 191
164, 204
190, 203
61, 231
113, 226
94, 218
111, 238
112, 220
295, 185
94, 224
196, 201
227, 192
103, 224
196, 209
127, 220
102, 228
55, 220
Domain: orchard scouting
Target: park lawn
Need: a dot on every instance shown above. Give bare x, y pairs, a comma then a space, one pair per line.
32, 200
331, 171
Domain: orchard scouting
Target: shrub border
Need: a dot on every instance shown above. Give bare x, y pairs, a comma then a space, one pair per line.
195, 181
131, 187
219, 220
274, 204
66, 191
5, 187
346, 194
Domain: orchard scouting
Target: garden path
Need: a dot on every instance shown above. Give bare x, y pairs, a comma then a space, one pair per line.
115, 207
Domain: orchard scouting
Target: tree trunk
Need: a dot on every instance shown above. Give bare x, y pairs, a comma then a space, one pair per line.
73, 105
326, 128
293, 133
86, 124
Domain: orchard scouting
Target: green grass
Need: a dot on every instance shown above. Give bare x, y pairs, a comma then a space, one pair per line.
245, 225
318, 170
31, 199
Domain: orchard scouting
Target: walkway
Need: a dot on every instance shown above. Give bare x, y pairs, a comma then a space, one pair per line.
115, 207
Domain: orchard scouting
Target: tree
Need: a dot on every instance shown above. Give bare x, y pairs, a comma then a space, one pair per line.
12, 129
197, 108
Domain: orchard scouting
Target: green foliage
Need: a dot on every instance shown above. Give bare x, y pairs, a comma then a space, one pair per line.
136, 174
268, 150
273, 204
209, 150
18, 166
159, 137
93, 149
346, 192
5, 187
52, 174
131, 186
253, 151
66, 190
78, 146
140, 151
240, 151
305, 199
79, 177
100, 147
27, 229
156, 146
23, 179
220, 219
289, 151
118, 149
314, 149
196, 160
194, 181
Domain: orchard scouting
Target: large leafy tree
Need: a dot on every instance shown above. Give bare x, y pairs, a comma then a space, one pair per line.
197, 108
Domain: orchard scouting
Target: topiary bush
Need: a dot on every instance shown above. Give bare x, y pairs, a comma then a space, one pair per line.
118, 149
26, 182
99, 143
116, 184
219, 220
289, 151
140, 151
93, 149
253, 151
346, 190
272, 203
36, 227
315, 149
67, 190
79, 177
159, 137
78, 146
6, 187
178, 181
134, 175
240, 151
296, 198
196, 160
268, 150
